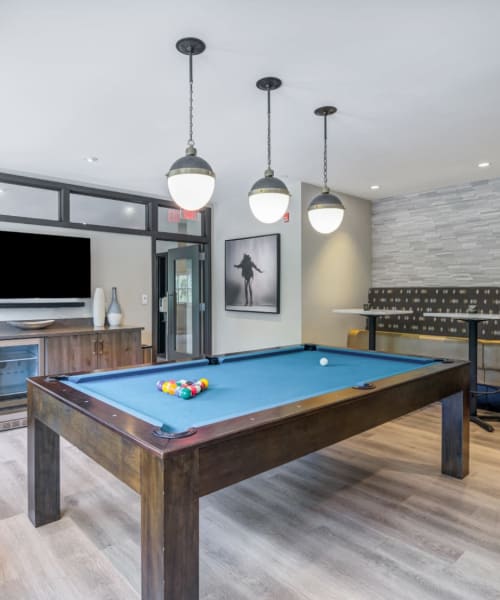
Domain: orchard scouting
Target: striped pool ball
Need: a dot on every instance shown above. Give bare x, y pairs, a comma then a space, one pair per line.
159, 384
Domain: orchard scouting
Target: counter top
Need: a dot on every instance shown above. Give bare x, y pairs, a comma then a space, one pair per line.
60, 327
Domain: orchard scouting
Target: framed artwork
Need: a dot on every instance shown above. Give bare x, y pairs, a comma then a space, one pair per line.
252, 274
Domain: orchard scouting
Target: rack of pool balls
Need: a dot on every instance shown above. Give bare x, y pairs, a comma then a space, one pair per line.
182, 388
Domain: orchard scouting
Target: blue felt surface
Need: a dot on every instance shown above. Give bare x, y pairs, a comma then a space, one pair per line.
241, 384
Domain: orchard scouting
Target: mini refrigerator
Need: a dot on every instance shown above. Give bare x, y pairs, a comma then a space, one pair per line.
19, 359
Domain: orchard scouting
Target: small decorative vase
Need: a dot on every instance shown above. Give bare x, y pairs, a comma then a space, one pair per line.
114, 310
99, 308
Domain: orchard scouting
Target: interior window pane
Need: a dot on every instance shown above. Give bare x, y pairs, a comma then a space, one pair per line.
91, 210
183, 305
175, 220
30, 202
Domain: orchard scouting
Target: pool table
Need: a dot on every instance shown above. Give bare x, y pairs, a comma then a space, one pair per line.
261, 409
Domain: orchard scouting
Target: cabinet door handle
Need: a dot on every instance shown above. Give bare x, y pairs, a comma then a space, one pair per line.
95, 347
101, 346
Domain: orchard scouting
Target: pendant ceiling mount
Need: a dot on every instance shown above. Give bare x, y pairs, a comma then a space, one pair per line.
191, 46
325, 111
269, 84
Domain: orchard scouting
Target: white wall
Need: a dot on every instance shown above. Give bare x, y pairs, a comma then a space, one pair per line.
118, 260
336, 271
233, 331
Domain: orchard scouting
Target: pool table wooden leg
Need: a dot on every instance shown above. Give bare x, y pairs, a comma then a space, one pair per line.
455, 435
44, 491
170, 526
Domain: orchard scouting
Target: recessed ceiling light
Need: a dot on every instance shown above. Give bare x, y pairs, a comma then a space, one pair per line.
91, 159
374, 187
129, 210
1, 191
483, 165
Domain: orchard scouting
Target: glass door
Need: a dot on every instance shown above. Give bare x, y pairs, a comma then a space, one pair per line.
183, 300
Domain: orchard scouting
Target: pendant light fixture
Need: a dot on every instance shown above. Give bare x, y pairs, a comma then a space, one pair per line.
326, 210
191, 180
269, 196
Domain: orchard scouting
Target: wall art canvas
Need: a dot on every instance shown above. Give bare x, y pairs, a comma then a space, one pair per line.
252, 274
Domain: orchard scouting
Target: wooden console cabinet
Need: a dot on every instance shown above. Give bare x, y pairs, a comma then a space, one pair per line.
105, 349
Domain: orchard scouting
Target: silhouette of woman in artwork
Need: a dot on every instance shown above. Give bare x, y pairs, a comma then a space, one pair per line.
247, 266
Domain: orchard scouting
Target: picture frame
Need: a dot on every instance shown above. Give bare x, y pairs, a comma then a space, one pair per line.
252, 274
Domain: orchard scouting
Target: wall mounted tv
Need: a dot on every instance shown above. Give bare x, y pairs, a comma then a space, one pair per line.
44, 266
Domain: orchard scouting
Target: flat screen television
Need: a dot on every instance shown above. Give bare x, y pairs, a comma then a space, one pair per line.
44, 266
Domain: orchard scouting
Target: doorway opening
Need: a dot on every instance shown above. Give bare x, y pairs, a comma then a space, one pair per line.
183, 324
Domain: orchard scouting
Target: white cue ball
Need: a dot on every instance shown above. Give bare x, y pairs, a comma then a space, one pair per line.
323, 361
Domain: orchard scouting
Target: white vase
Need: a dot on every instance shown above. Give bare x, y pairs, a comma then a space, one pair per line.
114, 310
99, 307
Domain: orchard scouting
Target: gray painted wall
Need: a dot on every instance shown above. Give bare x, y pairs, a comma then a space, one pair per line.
336, 271
446, 237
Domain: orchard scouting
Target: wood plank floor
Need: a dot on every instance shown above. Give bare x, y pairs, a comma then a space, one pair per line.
371, 518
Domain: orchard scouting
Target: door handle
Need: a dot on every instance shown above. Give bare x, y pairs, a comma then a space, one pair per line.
94, 351
101, 346
164, 304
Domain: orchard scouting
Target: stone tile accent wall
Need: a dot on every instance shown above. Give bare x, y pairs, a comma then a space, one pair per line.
446, 237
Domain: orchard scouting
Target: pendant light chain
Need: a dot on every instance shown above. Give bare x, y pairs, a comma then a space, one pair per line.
191, 140
268, 129
325, 156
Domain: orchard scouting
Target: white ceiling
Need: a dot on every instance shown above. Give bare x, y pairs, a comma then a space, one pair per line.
417, 85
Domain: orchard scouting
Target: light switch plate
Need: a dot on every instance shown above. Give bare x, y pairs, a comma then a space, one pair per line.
144, 298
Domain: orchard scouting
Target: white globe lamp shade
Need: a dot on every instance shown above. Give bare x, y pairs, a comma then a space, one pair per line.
326, 212
268, 199
191, 182
191, 191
